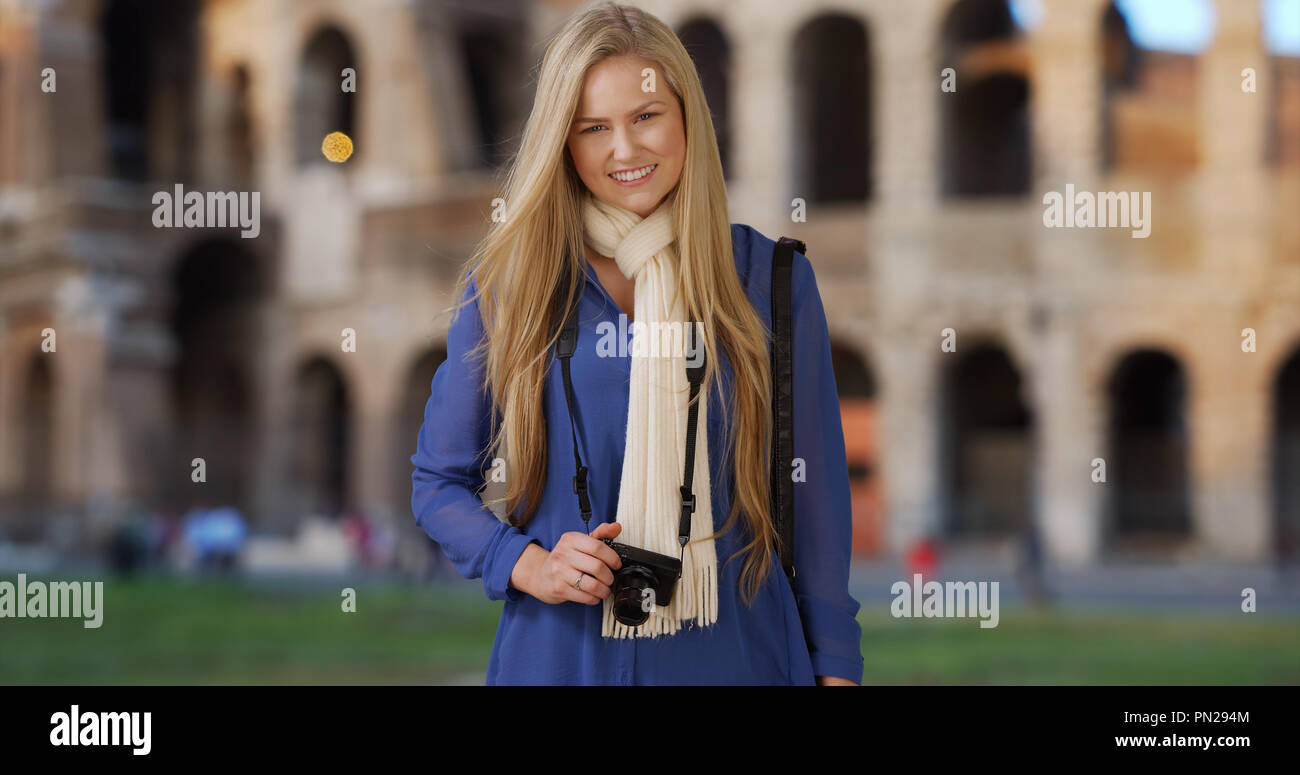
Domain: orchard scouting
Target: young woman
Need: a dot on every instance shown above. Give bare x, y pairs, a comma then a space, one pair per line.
616, 206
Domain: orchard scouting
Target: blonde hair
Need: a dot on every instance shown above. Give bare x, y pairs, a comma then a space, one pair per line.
522, 264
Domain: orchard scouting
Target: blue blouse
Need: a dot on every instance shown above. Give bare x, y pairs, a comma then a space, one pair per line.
784, 638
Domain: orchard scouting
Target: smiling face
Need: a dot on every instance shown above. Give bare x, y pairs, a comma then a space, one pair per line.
619, 128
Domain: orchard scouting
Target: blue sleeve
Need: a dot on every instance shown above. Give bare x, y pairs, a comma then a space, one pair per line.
823, 517
449, 461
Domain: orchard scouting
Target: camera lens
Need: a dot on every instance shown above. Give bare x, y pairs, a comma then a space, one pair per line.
630, 585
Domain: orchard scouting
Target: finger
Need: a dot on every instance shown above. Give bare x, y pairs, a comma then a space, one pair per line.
589, 585
569, 557
598, 549
596, 570
607, 530
583, 593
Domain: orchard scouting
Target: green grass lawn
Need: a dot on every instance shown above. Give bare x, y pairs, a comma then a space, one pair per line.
209, 631
1084, 648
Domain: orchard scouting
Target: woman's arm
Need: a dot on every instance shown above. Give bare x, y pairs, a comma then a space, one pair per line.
823, 522
449, 461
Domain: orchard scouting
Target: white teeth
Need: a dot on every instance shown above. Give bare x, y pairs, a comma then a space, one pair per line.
634, 175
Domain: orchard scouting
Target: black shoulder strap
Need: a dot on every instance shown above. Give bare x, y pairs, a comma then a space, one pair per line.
783, 400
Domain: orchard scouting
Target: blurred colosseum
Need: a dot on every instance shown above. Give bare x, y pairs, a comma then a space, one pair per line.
924, 213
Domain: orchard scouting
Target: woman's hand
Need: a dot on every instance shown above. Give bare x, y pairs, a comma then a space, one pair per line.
549, 576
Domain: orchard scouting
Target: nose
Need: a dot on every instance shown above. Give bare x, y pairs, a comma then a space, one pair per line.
625, 147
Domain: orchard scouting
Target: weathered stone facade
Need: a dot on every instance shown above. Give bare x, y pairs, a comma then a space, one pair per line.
181, 343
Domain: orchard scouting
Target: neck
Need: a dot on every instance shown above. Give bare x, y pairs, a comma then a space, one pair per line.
592, 255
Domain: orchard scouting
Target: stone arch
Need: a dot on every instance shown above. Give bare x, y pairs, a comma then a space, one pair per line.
986, 444
1148, 489
320, 104
1148, 95
240, 137
1285, 459
707, 44
1282, 142
150, 70
34, 420
855, 382
1120, 63
985, 124
321, 438
219, 287
493, 59
832, 115
408, 420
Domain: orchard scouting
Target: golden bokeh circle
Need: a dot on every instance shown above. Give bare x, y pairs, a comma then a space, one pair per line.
337, 147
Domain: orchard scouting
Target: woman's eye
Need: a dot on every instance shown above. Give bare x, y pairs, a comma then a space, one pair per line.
594, 126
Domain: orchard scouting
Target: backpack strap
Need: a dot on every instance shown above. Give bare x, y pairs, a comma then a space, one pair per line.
783, 399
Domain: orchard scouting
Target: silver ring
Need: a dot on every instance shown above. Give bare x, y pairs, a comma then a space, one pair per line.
578, 581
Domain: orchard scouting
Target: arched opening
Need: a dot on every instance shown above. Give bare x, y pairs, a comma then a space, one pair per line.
321, 106
707, 45
832, 111
491, 55
410, 417
219, 287
1120, 61
150, 53
1147, 473
35, 422
855, 384
1281, 21
987, 446
321, 441
1149, 89
985, 147
1286, 460
239, 127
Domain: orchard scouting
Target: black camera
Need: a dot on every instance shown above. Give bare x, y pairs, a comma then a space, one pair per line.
645, 580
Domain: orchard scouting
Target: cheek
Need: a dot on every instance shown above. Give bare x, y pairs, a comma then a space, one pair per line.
672, 145
587, 168
677, 161
668, 142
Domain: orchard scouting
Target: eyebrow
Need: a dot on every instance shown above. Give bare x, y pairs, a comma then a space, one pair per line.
633, 112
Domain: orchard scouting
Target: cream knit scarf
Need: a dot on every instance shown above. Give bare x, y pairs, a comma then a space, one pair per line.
649, 501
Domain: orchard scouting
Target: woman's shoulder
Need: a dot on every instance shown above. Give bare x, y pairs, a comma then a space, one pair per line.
753, 253
746, 243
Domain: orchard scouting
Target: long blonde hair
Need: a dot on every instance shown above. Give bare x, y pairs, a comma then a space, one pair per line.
520, 268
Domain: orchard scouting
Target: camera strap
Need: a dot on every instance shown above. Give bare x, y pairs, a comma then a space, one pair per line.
565, 347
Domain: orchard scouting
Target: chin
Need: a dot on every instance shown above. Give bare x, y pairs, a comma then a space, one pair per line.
636, 197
